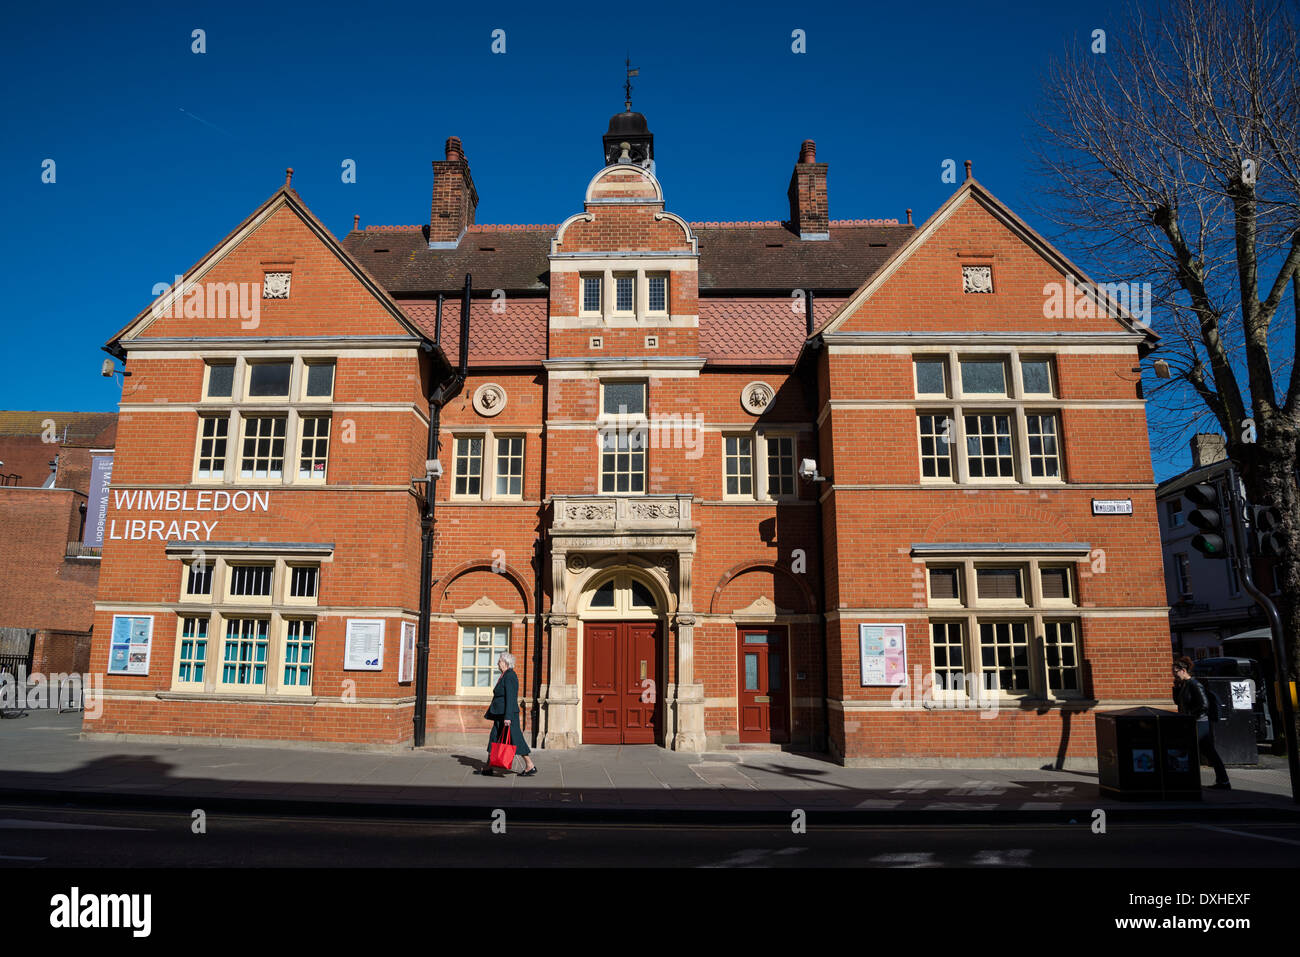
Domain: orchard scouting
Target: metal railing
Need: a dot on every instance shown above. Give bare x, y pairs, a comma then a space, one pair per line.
11, 664
78, 550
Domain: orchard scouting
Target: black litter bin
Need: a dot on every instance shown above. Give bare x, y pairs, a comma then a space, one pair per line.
1145, 754
1234, 723
1261, 686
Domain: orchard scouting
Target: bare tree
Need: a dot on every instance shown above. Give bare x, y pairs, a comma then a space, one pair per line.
1173, 149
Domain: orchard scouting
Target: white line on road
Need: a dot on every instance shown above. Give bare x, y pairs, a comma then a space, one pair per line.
1262, 837
20, 824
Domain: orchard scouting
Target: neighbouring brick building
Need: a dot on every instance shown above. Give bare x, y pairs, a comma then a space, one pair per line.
622, 498
48, 572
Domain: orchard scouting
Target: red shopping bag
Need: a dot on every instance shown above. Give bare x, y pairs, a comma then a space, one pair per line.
503, 752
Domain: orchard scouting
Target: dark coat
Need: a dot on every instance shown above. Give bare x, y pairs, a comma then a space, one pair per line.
1191, 698
505, 707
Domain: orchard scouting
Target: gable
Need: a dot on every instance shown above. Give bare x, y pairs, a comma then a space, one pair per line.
222, 296
1034, 288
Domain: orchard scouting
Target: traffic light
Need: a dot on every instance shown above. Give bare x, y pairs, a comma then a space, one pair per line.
1264, 536
1208, 517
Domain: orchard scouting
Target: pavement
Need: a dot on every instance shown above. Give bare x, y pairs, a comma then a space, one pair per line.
44, 760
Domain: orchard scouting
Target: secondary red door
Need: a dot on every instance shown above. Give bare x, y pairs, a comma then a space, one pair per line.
620, 696
764, 699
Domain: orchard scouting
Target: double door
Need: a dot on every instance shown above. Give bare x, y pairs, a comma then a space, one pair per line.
621, 693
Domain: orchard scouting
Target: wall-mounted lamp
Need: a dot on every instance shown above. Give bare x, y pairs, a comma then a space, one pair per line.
108, 370
808, 471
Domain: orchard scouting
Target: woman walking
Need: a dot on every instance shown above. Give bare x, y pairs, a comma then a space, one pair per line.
1192, 698
504, 713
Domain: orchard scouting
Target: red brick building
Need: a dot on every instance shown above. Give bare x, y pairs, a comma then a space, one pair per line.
711, 483
48, 574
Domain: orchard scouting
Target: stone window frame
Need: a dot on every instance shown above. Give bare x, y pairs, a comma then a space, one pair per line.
278, 609
488, 453
495, 623
1013, 402
1033, 610
583, 279
239, 407
640, 311
651, 277
760, 468
193, 660
616, 423
632, 277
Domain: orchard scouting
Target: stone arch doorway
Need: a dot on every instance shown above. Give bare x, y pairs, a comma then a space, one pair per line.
622, 657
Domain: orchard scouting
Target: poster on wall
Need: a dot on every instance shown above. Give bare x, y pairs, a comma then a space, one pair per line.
406, 660
101, 473
364, 646
128, 651
883, 655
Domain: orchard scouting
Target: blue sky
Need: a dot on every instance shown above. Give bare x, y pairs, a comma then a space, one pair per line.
160, 152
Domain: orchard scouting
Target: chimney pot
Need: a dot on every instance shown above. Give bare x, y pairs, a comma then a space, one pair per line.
356, 221
808, 152
455, 152
909, 217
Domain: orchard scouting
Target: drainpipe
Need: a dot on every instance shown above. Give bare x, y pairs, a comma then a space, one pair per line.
440, 396
810, 324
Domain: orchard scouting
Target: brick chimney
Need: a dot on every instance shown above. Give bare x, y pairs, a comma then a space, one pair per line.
1207, 447
454, 198
809, 211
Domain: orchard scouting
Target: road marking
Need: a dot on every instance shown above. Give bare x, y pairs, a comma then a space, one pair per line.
753, 857
1018, 857
1262, 837
20, 824
913, 859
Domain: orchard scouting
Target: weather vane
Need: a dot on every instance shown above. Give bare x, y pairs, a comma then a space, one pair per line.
627, 84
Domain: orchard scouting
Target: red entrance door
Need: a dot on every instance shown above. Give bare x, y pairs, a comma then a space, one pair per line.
620, 696
764, 700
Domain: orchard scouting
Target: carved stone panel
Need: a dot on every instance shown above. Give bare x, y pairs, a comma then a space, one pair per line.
977, 278
275, 285
756, 397
489, 399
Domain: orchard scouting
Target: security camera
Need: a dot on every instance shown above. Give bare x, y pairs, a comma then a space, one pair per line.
107, 369
433, 468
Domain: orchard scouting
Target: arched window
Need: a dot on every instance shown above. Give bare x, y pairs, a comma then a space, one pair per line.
622, 594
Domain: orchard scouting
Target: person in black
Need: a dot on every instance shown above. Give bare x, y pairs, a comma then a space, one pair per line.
504, 713
1192, 698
